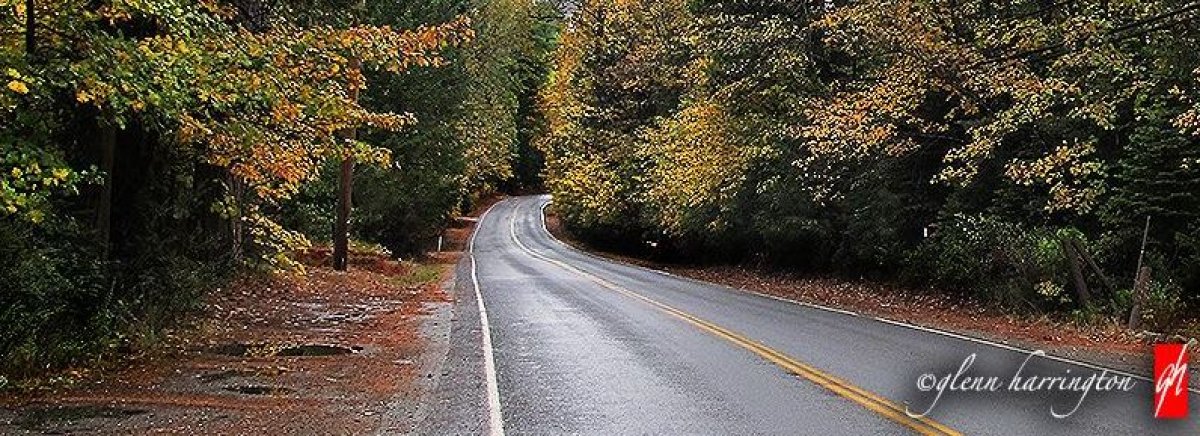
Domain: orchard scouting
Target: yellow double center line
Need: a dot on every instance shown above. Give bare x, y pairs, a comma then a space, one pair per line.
869, 400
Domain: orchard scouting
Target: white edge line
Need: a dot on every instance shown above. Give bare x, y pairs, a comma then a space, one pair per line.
849, 313
495, 419
685, 278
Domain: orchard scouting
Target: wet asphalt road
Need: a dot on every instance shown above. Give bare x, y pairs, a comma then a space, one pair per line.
575, 356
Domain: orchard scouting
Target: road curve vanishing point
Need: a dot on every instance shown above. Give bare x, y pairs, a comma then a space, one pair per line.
586, 345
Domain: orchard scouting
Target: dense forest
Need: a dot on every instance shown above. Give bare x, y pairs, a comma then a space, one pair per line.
1032, 154
1038, 155
153, 149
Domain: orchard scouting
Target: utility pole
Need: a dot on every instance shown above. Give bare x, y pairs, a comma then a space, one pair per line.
1141, 281
341, 228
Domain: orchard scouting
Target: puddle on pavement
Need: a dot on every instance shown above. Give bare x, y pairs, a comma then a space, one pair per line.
234, 350
210, 377
40, 417
268, 350
258, 390
326, 315
317, 351
226, 374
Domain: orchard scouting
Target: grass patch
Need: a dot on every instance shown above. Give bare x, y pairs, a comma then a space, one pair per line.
418, 274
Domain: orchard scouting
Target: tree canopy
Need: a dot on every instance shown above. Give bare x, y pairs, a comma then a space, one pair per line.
148, 148
886, 138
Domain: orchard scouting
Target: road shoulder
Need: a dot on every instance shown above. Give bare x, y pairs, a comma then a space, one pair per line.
1106, 345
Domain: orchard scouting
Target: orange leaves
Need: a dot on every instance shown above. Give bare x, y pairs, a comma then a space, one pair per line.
971, 84
18, 87
268, 105
285, 111
860, 124
392, 49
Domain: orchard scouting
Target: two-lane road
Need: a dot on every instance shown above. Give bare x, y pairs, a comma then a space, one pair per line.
577, 344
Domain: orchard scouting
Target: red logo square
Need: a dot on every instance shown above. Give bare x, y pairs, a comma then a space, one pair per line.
1170, 381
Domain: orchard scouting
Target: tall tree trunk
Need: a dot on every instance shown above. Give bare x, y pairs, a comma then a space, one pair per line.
108, 148
30, 28
341, 230
236, 227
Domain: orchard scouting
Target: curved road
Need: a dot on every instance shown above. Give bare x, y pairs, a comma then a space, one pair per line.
575, 344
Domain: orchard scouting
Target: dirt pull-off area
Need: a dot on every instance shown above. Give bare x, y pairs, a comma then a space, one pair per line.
319, 353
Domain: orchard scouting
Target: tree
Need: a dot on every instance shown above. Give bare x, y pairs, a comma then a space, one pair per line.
836, 136
620, 66
215, 113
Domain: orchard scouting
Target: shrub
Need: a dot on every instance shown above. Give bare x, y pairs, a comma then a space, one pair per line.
1162, 306
62, 304
995, 260
50, 285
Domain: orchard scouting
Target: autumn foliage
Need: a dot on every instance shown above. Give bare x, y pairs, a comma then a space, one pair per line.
959, 144
149, 148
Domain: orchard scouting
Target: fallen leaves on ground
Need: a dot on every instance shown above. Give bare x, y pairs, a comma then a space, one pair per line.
322, 352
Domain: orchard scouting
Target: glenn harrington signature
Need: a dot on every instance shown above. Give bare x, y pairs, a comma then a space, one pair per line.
961, 381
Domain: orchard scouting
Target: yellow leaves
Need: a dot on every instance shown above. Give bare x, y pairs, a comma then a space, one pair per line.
18, 87
1189, 121
61, 174
83, 96
976, 97
36, 216
1072, 178
698, 167
278, 240
27, 181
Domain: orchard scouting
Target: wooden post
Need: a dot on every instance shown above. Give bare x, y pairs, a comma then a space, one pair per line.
1091, 263
1140, 287
1142, 253
1073, 261
1141, 281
